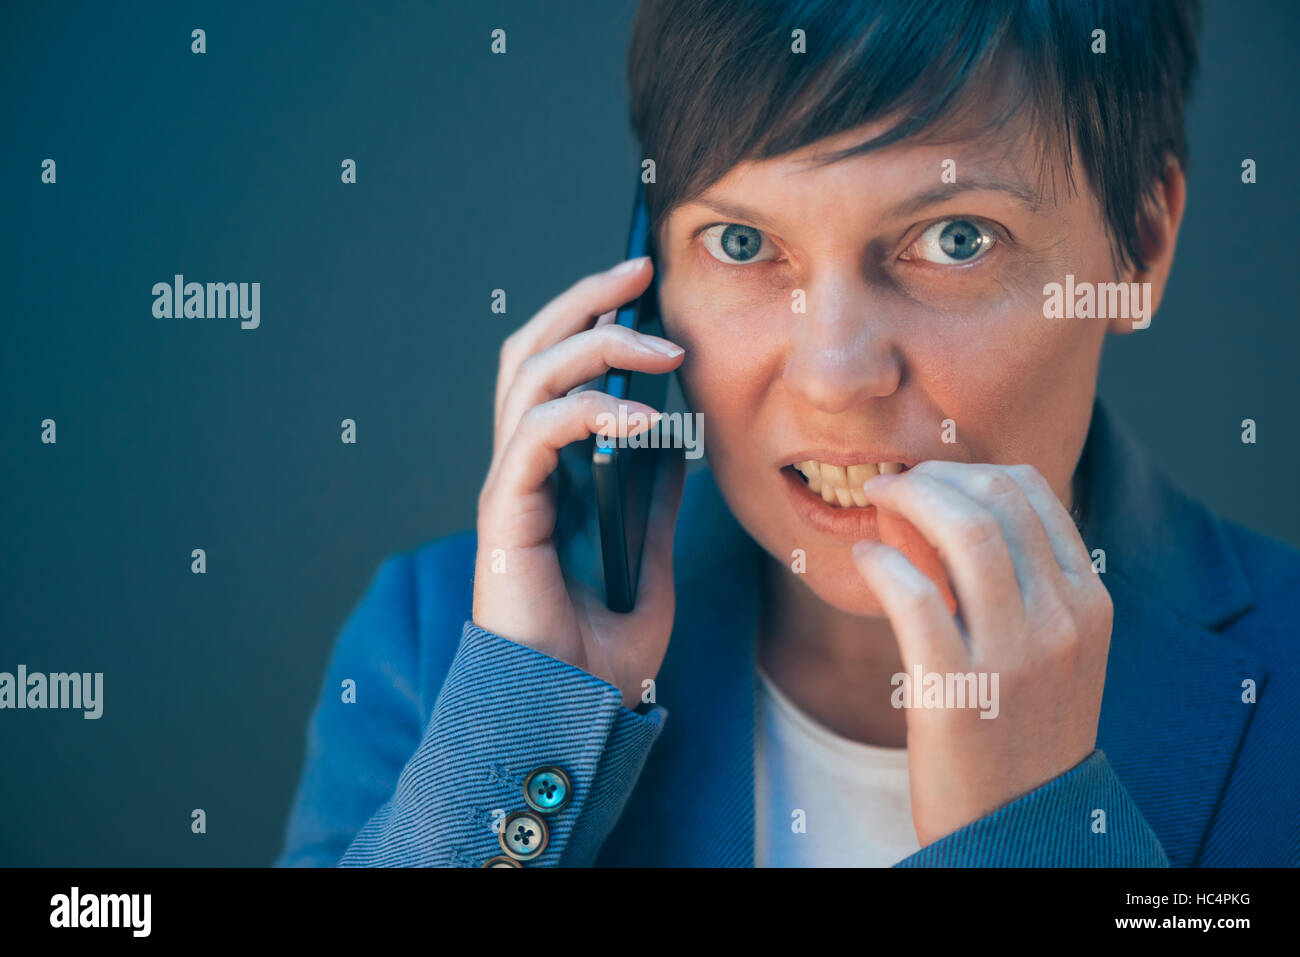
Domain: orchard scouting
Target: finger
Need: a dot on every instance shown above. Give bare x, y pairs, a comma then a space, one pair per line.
533, 450
1067, 544
901, 534
1022, 527
925, 631
574, 310
593, 383
970, 544
557, 370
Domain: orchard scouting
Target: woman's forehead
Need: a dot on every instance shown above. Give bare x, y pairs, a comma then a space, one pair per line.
894, 180
992, 138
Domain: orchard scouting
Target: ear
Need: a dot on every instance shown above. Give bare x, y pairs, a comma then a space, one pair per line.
1158, 237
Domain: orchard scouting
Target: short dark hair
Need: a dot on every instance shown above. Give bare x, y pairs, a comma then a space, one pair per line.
714, 82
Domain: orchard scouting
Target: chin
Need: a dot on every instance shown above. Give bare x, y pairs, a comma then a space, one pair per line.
835, 580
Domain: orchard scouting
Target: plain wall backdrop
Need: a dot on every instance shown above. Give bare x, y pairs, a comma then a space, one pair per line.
475, 172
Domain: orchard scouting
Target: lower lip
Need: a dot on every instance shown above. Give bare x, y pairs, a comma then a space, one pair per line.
852, 524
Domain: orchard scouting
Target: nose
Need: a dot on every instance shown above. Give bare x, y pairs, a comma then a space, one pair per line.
843, 350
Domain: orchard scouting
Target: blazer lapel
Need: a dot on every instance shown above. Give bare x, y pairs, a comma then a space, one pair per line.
1171, 715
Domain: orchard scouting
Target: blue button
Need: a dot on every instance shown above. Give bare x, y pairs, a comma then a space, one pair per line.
547, 789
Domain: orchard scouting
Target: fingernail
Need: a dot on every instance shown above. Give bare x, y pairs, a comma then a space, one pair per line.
876, 481
632, 265
660, 346
863, 547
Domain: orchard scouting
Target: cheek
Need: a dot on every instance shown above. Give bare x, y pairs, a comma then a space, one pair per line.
732, 359
1010, 378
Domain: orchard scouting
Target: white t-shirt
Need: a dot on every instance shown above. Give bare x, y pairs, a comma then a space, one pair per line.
854, 797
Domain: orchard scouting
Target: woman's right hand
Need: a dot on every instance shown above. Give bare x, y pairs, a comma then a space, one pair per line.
571, 341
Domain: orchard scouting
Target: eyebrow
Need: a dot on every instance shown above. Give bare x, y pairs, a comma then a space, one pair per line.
939, 194
913, 204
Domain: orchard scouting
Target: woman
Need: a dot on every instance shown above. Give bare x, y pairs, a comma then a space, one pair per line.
929, 604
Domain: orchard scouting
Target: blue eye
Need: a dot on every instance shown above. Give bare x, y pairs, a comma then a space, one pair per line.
952, 241
733, 244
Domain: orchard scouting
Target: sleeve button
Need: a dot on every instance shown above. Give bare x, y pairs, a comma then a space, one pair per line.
501, 860
524, 836
547, 789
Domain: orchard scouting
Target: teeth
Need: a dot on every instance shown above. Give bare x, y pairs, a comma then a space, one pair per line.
858, 474
813, 474
842, 486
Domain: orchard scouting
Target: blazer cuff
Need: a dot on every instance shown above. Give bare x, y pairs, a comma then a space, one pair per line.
1083, 818
504, 710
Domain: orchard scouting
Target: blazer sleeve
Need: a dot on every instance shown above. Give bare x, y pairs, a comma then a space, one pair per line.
382, 788
1055, 825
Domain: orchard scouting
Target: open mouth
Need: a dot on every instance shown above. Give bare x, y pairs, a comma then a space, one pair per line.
840, 486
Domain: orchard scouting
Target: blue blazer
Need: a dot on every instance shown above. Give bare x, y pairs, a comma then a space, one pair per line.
449, 719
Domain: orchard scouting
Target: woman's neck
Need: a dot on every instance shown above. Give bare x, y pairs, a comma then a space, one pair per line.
834, 666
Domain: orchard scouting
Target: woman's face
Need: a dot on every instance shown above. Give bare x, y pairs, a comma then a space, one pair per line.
887, 316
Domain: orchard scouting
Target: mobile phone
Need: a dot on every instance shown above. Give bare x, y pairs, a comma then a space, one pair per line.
624, 476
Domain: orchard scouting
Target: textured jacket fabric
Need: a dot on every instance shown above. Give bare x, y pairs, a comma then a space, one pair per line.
449, 719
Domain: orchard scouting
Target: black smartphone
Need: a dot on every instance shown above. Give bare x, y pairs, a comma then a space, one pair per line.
624, 476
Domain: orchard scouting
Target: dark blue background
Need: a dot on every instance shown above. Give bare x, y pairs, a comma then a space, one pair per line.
474, 172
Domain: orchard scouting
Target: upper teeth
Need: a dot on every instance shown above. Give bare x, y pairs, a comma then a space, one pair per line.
842, 486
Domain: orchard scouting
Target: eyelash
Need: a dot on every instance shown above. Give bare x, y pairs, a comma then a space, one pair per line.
996, 234
995, 238
703, 230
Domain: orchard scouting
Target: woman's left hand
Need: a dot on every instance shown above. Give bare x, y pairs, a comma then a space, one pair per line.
1030, 609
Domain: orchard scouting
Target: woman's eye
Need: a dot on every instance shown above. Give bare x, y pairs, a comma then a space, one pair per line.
953, 241
732, 243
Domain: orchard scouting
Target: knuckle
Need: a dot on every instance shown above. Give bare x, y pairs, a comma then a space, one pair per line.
976, 530
509, 346
616, 333
996, 484
534, 416
1029, 475
590, 402
1098, 607
527, 369
615, 340
1057, 622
